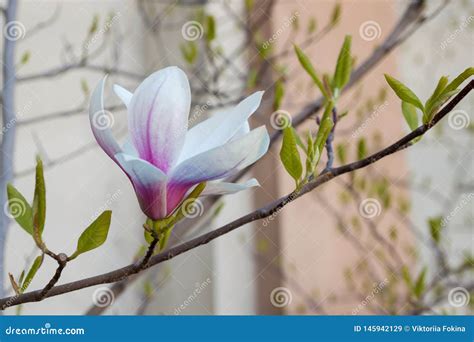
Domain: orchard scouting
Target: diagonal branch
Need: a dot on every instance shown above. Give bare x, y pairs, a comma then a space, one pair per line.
266, 211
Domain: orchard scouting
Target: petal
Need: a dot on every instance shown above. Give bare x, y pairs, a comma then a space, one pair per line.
158, 116
123, 94
220, 127
149, 183
129, 148
101, 121
223, 188
244, 129
224, 160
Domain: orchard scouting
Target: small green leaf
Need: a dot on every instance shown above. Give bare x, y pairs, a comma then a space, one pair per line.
420, 283
312, 26
310, 154
84, 87
211, 28
32, 272
435, 224
361, 149
94, 235
324, 129
19, 209
406, 276
252, 78
39, 203
403, 92
25, 57
249, 5
429, 108
411, 117
94, 25
308, 67
336, 14
189, 52
299, 142
290, 156
341, 153
342, 73
278, 95
459, 80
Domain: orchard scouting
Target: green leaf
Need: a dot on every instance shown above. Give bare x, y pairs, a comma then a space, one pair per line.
211, 28
420, 283
312, 26
290, 156
336, 14
435, 224
459, 80
252, 78
428, 115
299, 142
342, 73
189, 52
310, 154
94, 235
39, 204
84, 87
25, 58
442, 83
249, 5
19, 209
32, 272
403, 92
406, 276
308, 67
324, 129
411, 117
341, 153
278, 95
94, 25
361, 149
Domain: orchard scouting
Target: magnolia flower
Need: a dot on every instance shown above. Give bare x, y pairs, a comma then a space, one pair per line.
162, 158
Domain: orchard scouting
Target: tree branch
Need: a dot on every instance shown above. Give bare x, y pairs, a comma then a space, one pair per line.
269, 210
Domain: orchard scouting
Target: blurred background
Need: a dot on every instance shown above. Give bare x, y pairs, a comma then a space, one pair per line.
393, 238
